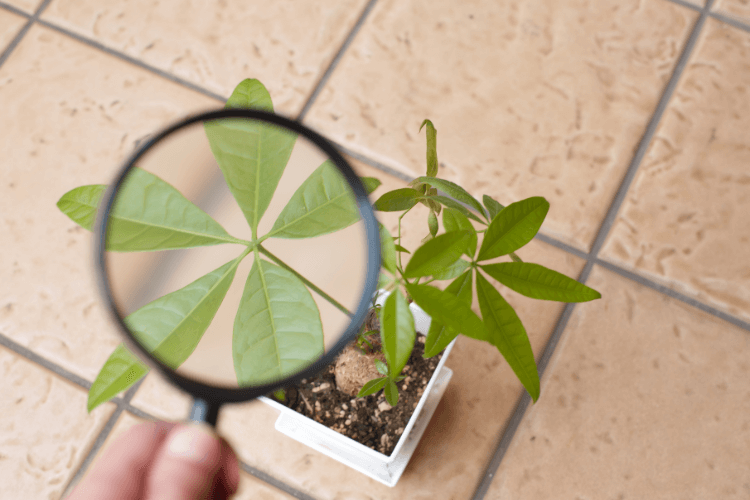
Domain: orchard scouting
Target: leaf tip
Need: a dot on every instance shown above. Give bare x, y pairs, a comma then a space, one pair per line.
426, 122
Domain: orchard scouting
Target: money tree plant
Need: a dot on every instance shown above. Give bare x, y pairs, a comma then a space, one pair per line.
175, 322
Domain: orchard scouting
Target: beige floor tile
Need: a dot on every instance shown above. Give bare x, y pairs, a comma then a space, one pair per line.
45, 431
29, 6
529, 98
737, 9
75, 114
287, 45
10, 25
647, 398
685, 222
457, 445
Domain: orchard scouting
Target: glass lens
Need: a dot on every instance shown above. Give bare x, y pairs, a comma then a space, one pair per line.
236, 253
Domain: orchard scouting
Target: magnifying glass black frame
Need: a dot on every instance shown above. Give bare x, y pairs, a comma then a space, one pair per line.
208, 399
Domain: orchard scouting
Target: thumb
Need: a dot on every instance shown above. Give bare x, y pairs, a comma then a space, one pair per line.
189, 466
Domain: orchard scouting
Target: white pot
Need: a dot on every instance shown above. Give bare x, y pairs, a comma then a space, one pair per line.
383, 468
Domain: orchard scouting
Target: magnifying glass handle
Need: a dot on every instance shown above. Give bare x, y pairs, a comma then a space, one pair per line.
204, 411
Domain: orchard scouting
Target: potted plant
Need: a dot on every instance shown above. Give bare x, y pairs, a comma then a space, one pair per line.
359, 425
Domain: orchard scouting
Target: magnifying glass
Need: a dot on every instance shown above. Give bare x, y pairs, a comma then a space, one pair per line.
238, 253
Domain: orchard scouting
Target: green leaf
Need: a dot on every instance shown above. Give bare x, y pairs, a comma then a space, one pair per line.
514, 227
81, 204
447, 309
250, 93
370, 183
514, 257
455, 220
171, 326
387, 250
508, 334
432, 161
324, 203
399, 248
120, 372
440, 335
252, 155
538, 282
372, 387
454, 191
437, 254
391, 393
384, 280
452, 271
451, 203
396, 200
432, 223
396, 331
277, 330
280, 395
381, 367
493, 207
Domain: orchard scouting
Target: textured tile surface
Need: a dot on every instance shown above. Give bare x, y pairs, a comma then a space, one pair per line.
646, 398
529, 98
737, 9
45, 431
285, 44
684, 221
10, 25
456, 447
29, 6
76, 113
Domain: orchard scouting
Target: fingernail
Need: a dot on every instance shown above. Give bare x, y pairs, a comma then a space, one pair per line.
190, 443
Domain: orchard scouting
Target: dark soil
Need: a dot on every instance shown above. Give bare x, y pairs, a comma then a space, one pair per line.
370, 420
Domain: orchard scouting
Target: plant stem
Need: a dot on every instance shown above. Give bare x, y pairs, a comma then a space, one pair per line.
305, 281
399, 236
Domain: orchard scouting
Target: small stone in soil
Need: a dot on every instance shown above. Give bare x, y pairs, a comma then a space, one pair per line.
384, 406
321, 387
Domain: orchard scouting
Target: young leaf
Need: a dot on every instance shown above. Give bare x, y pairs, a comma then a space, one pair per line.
252, 155
387, 250
493, 207
280, 395
399, 248
119, 373
277, 329
437, 254
372, 387
381, 367
447, 309
432, 223
396, 200
538, 282
370, 183
432, 161
514, 227
324, 203
81, 204
451, 203
396, 331
171, 326
452, 271
454, 191
440, 335
506, 332
454, 220
391, 393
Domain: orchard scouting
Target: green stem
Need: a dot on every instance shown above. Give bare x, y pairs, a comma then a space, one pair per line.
305, 281
399, 236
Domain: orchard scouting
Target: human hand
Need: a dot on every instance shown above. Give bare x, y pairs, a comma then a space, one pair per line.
165, 461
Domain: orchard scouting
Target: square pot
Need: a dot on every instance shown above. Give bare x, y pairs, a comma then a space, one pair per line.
383, 468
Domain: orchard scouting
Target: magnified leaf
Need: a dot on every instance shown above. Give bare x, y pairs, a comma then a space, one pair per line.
453, 190
252, 155
452, 271
370, 183
538, 282
396, 200
493, 207
451, 203
455, 220
372, 387
81, 204
387, 250
432, 161
447, 309
171, 326
514, 227
277, 330
437, 254
396, 331
506, 332
118, 374
440, 335
391, 392
323, 204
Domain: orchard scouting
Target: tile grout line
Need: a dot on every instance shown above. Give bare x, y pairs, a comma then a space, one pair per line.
15, 10
31, 19
737, 23
523, 402
336, 59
